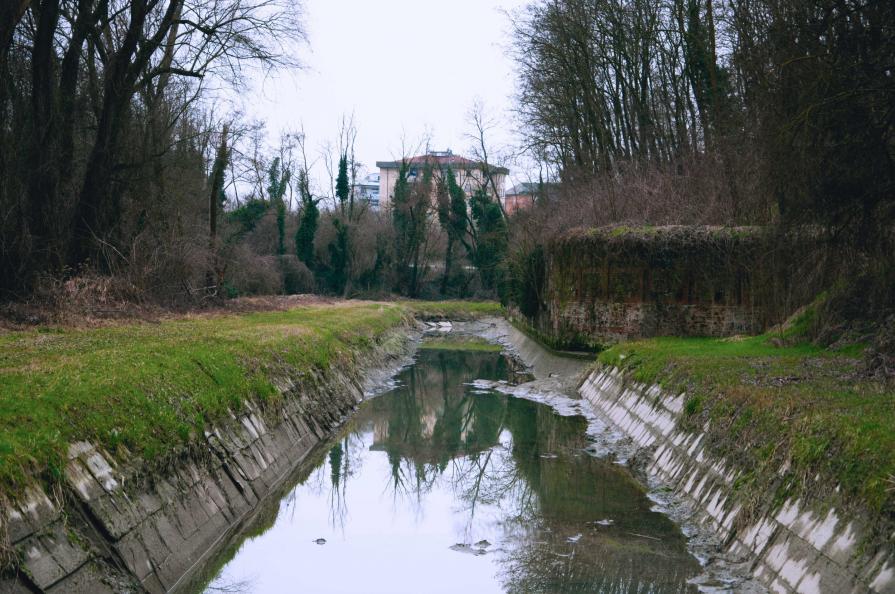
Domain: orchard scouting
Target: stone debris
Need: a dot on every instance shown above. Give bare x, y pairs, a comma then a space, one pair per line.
462, 547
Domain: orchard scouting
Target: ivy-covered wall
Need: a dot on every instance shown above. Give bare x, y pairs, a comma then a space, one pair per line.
607, 284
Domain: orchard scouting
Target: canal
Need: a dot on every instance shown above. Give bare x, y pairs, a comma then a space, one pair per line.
441, 485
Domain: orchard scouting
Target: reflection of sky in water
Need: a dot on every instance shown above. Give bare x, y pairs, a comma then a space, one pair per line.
431, 465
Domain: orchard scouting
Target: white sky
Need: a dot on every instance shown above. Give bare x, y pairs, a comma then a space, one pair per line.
403, 68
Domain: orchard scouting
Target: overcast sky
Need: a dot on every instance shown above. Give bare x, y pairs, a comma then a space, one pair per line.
402, 67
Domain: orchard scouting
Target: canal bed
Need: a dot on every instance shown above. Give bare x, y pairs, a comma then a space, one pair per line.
442, 484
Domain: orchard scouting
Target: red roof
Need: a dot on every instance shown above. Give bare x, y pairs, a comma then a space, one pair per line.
454, 161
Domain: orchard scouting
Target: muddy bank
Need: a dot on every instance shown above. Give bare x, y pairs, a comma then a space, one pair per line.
114, 527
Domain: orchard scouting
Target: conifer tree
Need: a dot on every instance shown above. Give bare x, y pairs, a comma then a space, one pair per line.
452, 215
342, 187
492, 235
278, 183
307, 224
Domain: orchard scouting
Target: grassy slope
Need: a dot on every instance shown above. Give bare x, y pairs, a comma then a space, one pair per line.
449, 343
769, 405
152, 387
453, 310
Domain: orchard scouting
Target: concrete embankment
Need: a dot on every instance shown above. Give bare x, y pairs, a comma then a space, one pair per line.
110, 525
800, 546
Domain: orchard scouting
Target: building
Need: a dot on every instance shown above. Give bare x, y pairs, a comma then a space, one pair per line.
367, 190
470, 174
519, 197
522, 196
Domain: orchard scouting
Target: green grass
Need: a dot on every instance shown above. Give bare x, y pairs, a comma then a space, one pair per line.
453, 310
152, 388
460, 344
767, 405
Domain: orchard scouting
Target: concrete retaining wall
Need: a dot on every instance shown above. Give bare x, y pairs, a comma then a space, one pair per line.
117, 528
801, 547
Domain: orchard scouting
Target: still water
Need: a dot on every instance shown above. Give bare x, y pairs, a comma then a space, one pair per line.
439, 486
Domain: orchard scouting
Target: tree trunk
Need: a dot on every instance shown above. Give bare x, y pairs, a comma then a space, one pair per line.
217, 182
11, 12
43, 156
98, 207
448, 263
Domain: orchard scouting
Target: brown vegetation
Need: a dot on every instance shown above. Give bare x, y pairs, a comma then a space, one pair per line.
753, 112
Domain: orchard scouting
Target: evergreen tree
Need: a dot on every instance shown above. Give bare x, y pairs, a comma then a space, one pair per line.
401, 219
307, 224
492, 235
452, 215
410, 210
216, 204
278, 183
342, 188
338, 259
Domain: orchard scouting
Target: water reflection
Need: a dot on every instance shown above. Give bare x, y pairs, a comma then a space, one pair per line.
435, 488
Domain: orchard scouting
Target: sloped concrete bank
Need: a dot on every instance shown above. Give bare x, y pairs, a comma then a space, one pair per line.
116, 527
802, 546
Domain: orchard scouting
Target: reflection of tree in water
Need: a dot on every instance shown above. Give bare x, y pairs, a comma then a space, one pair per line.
527, 461
642, 551
224, 584
430, 421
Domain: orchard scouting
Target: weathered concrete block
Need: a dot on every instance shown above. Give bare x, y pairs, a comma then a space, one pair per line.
794, 549
159, 526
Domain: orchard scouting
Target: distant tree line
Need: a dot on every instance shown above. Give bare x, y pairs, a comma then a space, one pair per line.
115, 166
796, 93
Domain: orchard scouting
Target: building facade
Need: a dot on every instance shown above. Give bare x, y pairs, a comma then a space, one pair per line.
367, 190
524, 195
471, 175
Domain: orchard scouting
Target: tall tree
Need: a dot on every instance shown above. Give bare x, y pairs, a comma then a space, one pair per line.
339, 250
216, 199
453, 216
307, 223
278, 176
492, 235
410, 217
343, 188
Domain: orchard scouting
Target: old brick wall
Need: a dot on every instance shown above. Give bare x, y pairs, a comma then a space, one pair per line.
610, 284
